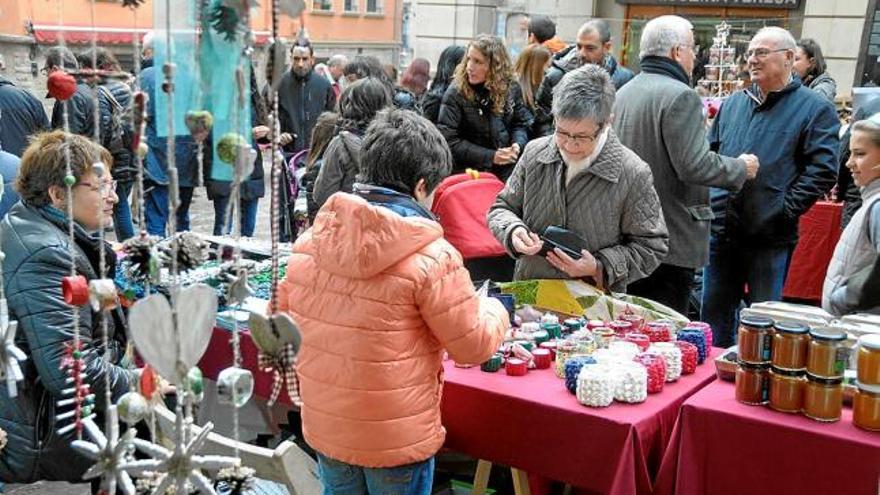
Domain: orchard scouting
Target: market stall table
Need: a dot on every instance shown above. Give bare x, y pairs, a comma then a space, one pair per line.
721, 446
819, 231
534, 424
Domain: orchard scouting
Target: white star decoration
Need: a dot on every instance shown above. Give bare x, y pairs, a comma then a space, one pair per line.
10, 355
110, 454
181, 467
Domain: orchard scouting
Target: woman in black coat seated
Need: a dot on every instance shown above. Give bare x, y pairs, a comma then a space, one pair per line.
482, 116
39, 254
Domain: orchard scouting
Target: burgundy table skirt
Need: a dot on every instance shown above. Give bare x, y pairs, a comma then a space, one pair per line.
723, 447
533, 423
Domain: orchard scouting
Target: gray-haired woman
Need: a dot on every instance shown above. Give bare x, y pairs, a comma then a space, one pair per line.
582, 179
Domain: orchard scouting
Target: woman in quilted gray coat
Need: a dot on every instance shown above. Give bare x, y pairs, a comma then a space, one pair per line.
38, 255
582, 179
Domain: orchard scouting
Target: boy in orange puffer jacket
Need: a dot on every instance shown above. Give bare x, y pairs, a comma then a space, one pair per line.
378, 295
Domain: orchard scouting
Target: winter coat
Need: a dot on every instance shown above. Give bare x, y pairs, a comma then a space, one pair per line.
9, 164
405, 99
300, 101
474, 132
612, 205
564, 62
431, 101
342, 160
185, 148
856, 250
794, 134
124, 167
660, 119
80, 112
37, 258
825, 85
378, 295
21, 116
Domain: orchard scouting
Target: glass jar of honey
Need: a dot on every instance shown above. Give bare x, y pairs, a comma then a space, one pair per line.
823, 398
752, 383
866, 407
868, 366
754, 338
791, 340
828, 353
787, 390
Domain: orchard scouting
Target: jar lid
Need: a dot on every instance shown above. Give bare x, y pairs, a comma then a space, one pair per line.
791, 327
830, 334
871, 341
792, 373
753, 366
871, 389
825, 381
755, 321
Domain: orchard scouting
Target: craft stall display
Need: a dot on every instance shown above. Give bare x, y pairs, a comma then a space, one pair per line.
202, 54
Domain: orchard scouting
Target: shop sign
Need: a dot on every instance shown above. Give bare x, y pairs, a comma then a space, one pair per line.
775, 4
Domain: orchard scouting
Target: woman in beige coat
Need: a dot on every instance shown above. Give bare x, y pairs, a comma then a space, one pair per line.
583, 179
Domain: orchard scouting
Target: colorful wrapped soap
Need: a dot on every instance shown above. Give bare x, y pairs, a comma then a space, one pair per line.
620, 327
594, 324
637, 321
595, 386
696, 337
540, 337
625, 350
552, 329
656, 367
658, 331
631, 384
639, 339
603, 336
689, 357
541, 358
493, 364
705, 328
572, 368
672, 355
516, 367
572, 325
564, 350
550, 345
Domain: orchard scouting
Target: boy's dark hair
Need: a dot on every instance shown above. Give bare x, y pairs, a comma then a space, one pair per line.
542, 27
360, 101
303, 43
61, 57
365, 66
400, 148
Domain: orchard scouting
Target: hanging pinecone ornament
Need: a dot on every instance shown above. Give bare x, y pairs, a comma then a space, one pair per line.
192, 250
139, 253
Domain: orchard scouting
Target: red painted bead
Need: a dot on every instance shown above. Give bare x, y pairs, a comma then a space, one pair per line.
61, 85
75, 290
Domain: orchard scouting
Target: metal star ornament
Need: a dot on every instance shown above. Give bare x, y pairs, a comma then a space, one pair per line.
110, 454
180, 468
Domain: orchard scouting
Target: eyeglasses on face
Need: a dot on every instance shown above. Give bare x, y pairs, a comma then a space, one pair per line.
578, 139
107, 185
763, 52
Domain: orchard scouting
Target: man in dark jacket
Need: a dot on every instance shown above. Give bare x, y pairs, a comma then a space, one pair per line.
793, 131
659, 116
302, 97
80, 107
21, 116
593, 47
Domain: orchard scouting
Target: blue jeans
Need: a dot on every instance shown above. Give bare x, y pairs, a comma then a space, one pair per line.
156, 208
122, 212
731, 267
339, 478
248, 216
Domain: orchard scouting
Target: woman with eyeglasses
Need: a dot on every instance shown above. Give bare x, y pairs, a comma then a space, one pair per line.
482, 115
583, 180
38, 251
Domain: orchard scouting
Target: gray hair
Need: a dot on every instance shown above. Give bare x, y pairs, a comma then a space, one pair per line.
597, 25
584, 93
338, 60
662, 34
148, 41
784, 39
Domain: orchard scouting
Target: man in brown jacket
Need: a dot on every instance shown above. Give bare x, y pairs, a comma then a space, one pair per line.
583, 179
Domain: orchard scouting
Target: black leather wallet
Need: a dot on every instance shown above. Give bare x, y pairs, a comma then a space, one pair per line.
563, 239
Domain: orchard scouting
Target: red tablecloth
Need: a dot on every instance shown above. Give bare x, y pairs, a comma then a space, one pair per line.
819, 232
723, 447
534, 424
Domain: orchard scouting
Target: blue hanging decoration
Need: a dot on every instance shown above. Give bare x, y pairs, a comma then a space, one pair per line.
183, 52
223, 59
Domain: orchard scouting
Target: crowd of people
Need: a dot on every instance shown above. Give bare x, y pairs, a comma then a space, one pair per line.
624, 162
